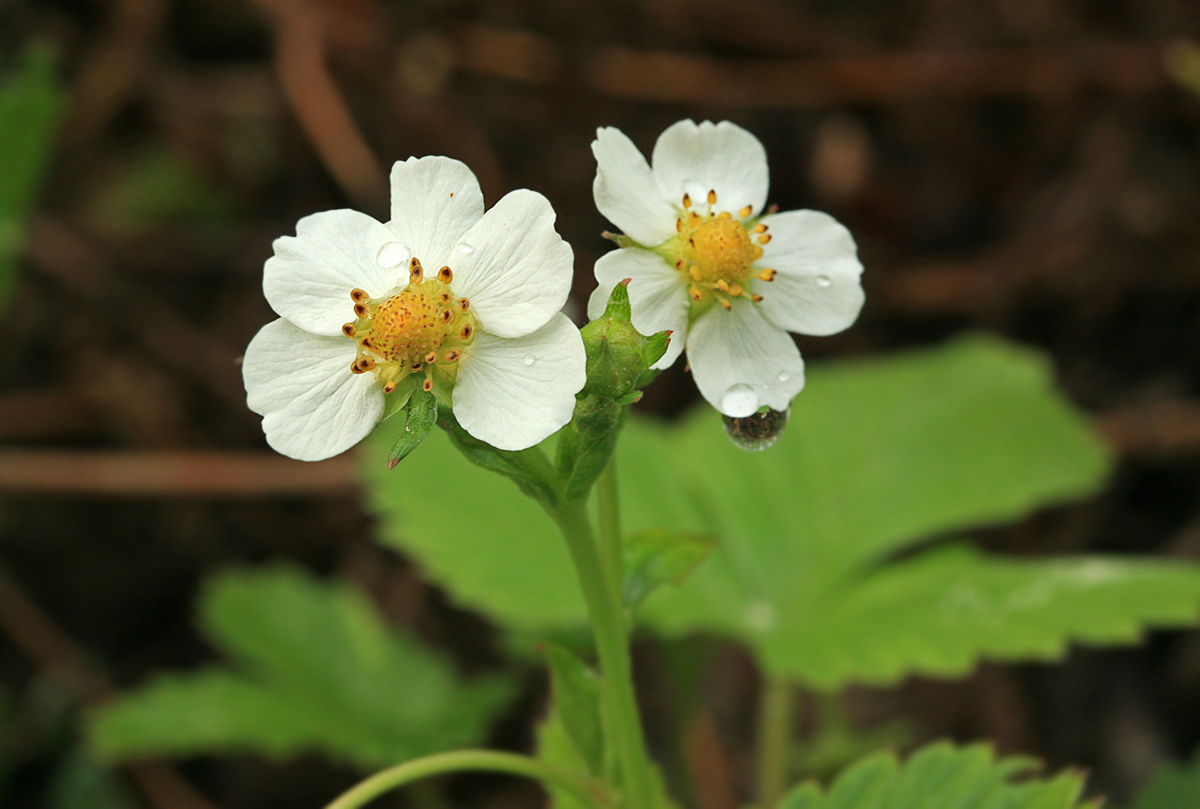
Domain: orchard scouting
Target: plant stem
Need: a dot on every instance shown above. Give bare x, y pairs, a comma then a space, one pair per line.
622, 723
774, 740
441, 763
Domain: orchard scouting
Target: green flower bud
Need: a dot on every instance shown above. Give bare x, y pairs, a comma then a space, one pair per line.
618, 355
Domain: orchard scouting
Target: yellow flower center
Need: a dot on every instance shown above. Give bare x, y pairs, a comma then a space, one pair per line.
419, 330
715, 253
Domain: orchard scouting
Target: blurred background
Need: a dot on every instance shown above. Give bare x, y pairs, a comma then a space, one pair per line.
1026, 167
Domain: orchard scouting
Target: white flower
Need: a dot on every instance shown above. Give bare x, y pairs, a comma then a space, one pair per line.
443, 297
707, 261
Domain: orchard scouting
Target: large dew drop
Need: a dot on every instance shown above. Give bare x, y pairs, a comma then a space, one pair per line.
740, 400
757, 431
392, 254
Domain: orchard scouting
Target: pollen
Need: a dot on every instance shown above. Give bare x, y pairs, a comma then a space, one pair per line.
420, 328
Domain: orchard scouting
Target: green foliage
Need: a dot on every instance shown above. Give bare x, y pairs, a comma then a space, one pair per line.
419, 418
576, 691
314, 669
879, 455
31, 104
942, 777
80, 782
656, 557
1176, 787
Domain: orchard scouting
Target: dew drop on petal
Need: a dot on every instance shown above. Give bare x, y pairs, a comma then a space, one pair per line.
757, 431
464, 248
739, 399
824, 281
784, 376
529, 359
392, 254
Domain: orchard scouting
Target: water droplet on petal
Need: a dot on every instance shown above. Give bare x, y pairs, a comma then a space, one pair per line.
757, 431
464, 248
739, 400
529, 359
392, 254
824, 281
784, 376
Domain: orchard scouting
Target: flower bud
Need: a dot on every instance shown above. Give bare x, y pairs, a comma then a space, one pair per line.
618, 356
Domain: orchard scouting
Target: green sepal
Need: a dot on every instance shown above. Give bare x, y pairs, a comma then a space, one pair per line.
396, 401
420, 416
618, 355
658, 556
528, 468
576, 690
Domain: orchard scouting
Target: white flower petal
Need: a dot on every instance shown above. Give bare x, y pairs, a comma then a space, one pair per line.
312, 406
817, 289
741, 362
512, 393
435, 200
310, 277
657, 295
625, 191
519, 270
712, 157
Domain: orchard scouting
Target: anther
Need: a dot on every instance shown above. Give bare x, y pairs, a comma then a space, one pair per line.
389, 386
427, 385
712, 197
360, 310
767, 275
431, 357
445, 275
452, 355
722, 285
725, 303
760, 228
744, 212
366, 363
694, 219
444, 297
466, 332
349, 330
687, 201
359, 295
464, 304
756, 298
757, 253
695, 272
354, 369
446, 316
763, 239
725, 215
679, 264
679, 226
416, 366
694, 293
736, 290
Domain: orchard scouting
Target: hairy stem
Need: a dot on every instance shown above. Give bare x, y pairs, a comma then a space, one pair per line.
460, 760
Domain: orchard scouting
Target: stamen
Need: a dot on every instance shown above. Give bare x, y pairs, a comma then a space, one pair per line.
744, 212
360, 310
446, 316
763, 239
349, 330
679, 226
757, 252
712, 197
695, 272
359, 295
725, 303
444, 297
416, 366
694, 219
694, 294
722, 285
389, 386
445, 275
736, 290
427, 385
679, 264
756, 298
354, 369
366, 363
687, 201
767, 275
452, 355
464, 304
431, 357
760, 228
725, 215
466, 332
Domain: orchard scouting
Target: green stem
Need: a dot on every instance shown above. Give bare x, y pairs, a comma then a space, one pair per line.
774, 740
442, 763
623, 727
612, 547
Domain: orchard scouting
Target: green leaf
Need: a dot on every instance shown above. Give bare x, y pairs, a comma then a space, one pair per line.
944, 777
419, 418
555, 747
1176, 787
656, 557
879, 455
576, 690
31, 104
314, 669
80, 782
